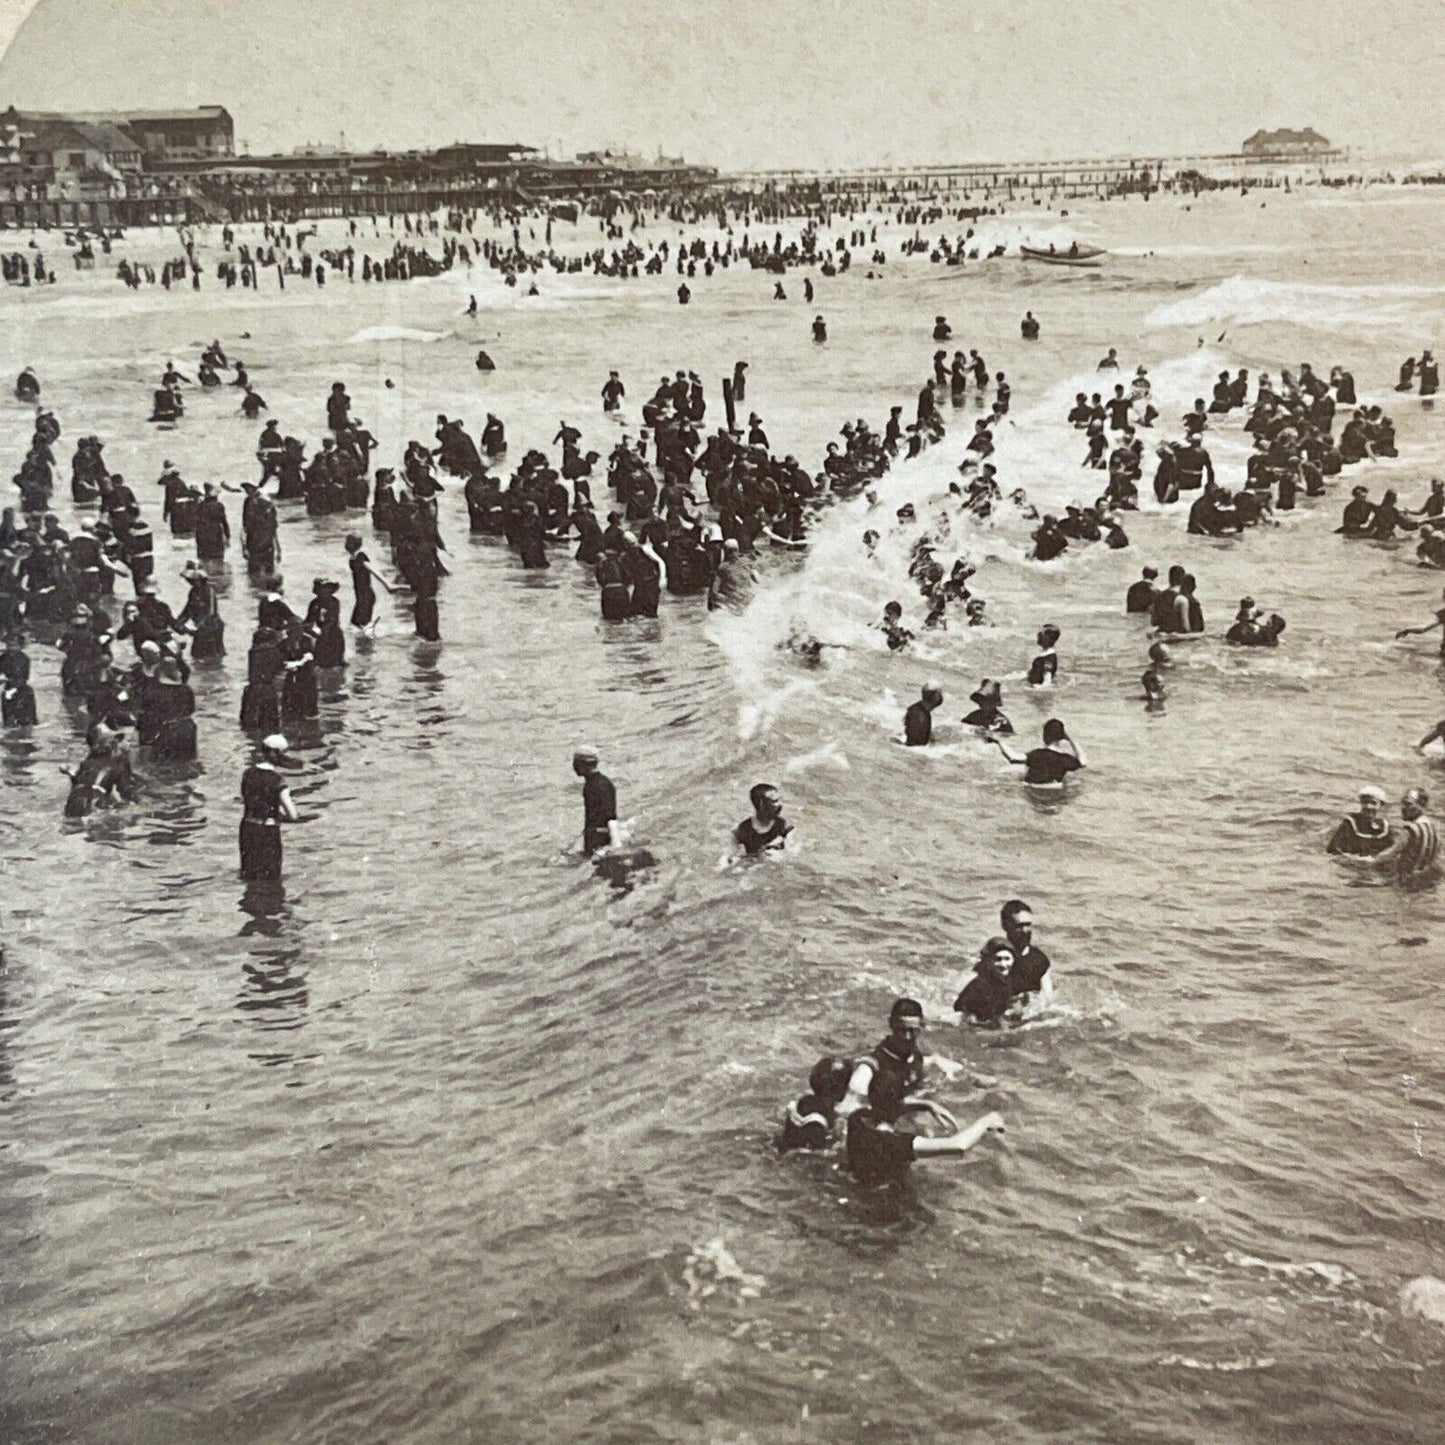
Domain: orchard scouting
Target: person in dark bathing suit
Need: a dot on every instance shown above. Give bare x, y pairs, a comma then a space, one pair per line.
600, 830
986, 997
1050, 764
17, 697
988, 711
103, 776
1141, 594
1045, 667
918, 720
323, 621
808, 1121
1363, 834
266, 803
363, 574
879, 1152
766, 830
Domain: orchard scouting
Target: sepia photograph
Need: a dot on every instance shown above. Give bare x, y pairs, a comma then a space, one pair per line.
709, 717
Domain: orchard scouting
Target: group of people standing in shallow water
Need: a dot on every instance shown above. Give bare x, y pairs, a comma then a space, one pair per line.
879, 1101
684, 515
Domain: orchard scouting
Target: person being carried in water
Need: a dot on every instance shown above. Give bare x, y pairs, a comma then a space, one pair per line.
1365, 833
765, 830
1050, 764
808, 1122
600, 828
103, 775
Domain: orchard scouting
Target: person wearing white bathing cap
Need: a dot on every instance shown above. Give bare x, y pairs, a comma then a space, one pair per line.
265, 804
599, 803
1365, 833
918, 720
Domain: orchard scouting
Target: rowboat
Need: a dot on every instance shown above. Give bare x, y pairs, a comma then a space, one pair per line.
1075, 256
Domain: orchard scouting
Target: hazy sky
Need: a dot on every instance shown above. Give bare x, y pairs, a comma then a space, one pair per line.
754, 82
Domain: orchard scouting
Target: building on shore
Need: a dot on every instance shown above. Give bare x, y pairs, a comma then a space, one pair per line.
165, 167
1288, 145
102, 155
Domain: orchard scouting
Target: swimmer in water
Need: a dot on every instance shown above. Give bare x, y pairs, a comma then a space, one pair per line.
918, 720
1427, 627
898, 1057
1415, 847
808, 1122
600, 829
986, 997
880, 1152
893, 629
988, 711
1045, 667
766, 830
1141, 594
1050, 764
1436, 734
1153, 680
1365, 833
805, 646
1030, 971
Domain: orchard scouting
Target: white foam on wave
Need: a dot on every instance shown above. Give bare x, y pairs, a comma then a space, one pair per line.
837, 595
1039, 231
830, 755
554, 291
1424, 1297
1240, 248
1252, 301
710, 1266
1334, 1275
377, 334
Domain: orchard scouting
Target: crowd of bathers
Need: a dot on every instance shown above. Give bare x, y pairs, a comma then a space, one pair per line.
683, 515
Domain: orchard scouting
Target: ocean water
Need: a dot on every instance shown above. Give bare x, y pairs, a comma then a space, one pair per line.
447, 1139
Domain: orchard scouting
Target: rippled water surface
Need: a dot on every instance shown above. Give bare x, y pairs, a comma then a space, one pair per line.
448, 1140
